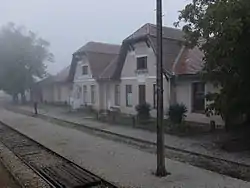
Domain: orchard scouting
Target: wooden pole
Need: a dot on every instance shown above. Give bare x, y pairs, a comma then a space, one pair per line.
161, 170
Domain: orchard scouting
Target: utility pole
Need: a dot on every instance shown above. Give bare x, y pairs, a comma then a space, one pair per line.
161, 170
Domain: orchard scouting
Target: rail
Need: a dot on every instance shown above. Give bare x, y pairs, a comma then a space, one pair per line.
55, 169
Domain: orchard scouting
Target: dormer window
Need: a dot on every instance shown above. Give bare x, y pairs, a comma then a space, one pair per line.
84, 70
142, 63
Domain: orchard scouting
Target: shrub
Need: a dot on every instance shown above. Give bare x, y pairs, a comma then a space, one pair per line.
177, 113
143, 111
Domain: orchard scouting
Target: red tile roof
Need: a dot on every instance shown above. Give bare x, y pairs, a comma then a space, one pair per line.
107, 60
190, 62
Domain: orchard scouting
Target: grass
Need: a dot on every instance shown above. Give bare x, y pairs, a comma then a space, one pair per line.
120, 119
184, 129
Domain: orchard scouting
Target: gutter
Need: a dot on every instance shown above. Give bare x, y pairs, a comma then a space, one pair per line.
177, 59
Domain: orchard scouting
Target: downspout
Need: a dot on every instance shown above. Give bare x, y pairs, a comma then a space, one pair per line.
71, 78
173, 92
177, 59
168, 76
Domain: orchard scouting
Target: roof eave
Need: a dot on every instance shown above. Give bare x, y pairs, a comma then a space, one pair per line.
189, 76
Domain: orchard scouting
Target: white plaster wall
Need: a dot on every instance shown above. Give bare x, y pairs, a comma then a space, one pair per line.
64, 90
130, 77
184, 95
80, 101
78, 74
87, 80
130, 65
48, 94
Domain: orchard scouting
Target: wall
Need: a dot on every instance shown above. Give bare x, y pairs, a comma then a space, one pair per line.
130, 77
48, 94
56, 93
107, 94
130, 65
78, 74
184, 95
84, 80
61, 93
80, 102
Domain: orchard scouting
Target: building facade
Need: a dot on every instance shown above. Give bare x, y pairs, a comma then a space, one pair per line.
55, 89
106, 75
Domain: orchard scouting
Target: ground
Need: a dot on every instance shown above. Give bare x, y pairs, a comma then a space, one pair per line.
208, 144
116, 162
6, 181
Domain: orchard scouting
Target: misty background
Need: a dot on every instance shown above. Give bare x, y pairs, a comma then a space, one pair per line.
69, 24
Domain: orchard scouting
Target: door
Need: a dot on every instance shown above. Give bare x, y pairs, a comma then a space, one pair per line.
142, 94
198, 97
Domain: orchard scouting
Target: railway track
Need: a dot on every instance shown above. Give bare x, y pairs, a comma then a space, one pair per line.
219, 165
56, 170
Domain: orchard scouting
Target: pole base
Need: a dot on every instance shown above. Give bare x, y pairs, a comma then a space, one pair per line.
161, 172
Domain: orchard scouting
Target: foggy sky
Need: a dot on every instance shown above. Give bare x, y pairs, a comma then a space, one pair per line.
69, 24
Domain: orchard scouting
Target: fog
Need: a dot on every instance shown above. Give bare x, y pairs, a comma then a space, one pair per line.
69, 24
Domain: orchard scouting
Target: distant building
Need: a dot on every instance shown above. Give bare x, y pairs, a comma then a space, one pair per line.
4, 97
91, 74
54, 89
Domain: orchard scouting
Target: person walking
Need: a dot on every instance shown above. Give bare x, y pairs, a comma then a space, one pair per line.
35, 107
35, 104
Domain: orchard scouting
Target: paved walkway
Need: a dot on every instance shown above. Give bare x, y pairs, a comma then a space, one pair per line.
202, 146
116, 162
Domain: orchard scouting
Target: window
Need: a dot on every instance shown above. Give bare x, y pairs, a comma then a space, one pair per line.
142, 63
93, 94
154, 96
129, 95
117, 95
78, 92
85, 70
142, 94
198, 96
85, 94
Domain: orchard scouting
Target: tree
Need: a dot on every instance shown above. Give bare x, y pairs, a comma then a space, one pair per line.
22, 58
221, 29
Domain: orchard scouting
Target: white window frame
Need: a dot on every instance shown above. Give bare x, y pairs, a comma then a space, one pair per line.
87, 70
78, 92
117, 95
93, 94
141, 56
129, 95
192, 97
85, 94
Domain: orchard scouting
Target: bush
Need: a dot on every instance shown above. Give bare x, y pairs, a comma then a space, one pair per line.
177, 113
143, 111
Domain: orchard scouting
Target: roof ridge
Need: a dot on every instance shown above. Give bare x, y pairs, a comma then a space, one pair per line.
93, 46
89, 51
177, 59
151, 30
174, 28
99, 42
145, 25
169, 38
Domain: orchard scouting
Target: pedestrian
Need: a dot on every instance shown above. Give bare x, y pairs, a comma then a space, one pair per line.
35, 107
